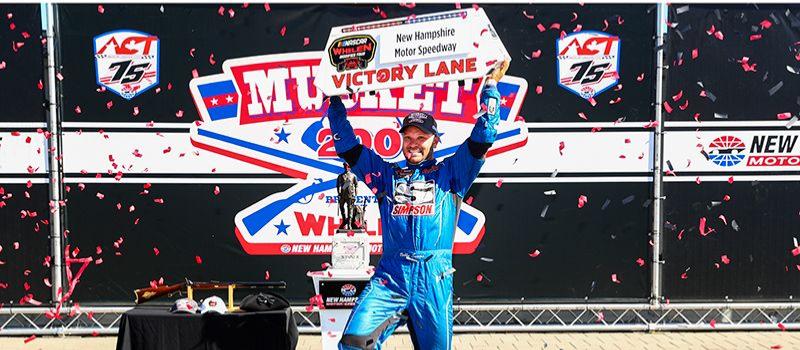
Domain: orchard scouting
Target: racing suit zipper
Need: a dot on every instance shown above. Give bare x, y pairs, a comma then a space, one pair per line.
410, 184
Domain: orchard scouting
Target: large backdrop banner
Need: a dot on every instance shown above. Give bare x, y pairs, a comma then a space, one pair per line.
195, 145
24, 212
731, 156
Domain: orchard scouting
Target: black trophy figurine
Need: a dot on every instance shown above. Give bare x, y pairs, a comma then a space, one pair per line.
346, 185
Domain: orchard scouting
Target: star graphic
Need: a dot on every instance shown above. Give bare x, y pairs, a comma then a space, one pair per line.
229, 99
214, 101
282, 228
283, 136
503, 101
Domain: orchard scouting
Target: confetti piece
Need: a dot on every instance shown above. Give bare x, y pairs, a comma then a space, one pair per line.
582, 116
541, 27
499, 183
775, 88
156, 251
677, 96
796, 251
325, 265
582, 200
198, 259
159, 200
703, 226
755, 37
216, 190
719, 35
538, 89
713, 323
283, 30
765, 24
525, 13
30, 339
194, 73
561, 147
100, 9
534, 253
694, 54
615, 279
179, 113
640, 262
725, 260
266, 275
211, 59
746, 66
479, 277
640, 77
469, 200
306, 41
100, 195
667, 107
730, 180
781, 326
791, 122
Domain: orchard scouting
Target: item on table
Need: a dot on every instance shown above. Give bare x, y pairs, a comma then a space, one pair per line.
213, 304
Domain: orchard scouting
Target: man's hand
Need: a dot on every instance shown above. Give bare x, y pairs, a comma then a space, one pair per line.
499, 70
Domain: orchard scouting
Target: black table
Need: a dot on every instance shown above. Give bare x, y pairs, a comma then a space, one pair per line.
156, 328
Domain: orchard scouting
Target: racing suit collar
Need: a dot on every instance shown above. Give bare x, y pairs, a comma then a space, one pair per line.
424, 164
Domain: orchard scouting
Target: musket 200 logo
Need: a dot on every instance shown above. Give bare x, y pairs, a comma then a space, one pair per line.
126, 62
266, 111
588, 62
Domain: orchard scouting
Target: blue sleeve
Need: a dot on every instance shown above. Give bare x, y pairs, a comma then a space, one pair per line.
362, 160
463, 167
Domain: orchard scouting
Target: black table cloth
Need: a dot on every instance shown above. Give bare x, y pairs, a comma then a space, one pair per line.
157, 328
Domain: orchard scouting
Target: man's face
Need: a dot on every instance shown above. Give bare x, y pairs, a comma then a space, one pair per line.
417, 144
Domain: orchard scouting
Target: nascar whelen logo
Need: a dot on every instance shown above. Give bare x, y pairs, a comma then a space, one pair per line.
726, 151
765, 150
588, 62
266, 110
126, 62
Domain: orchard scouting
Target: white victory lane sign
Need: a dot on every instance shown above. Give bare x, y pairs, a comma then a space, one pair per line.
415, 50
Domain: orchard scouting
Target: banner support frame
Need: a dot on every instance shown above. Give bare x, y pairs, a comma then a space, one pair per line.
658, 135
55, 170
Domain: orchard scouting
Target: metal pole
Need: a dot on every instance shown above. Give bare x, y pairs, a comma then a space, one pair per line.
661, 28
54, 164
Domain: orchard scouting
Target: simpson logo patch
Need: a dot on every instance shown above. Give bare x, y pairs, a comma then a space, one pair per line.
417, 198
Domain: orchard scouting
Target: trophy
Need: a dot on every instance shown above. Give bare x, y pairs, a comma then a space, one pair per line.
350, 250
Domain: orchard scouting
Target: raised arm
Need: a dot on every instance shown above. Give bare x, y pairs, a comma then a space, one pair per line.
464, 166
362, 160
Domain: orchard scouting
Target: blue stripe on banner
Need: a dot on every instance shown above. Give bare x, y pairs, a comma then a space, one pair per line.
261, 217
223, 112
334, 169
507, 88
217, 88
504, 112
466, 222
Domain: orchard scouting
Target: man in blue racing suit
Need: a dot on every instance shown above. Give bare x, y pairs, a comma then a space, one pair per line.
419, 206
